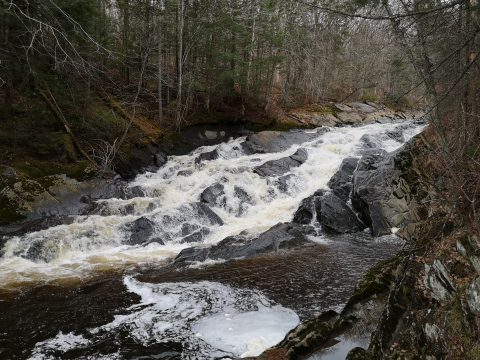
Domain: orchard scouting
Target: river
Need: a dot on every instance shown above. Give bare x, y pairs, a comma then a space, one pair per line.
90, 289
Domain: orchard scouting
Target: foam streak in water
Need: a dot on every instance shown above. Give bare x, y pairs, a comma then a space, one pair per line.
208, 319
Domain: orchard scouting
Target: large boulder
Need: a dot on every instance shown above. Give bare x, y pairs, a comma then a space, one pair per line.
283, 165
141, 231
212, 194
280, 236
203, 211
341, 181
305, 212
336, 216
207, 156
330, 211
277, 141
381, 193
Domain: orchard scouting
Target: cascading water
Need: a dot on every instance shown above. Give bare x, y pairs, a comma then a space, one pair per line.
168, 215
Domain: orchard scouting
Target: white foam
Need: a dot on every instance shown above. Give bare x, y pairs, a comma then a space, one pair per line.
97, 242
210, 320
249, 333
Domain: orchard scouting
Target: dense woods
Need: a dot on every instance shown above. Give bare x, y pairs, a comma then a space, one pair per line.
107, 67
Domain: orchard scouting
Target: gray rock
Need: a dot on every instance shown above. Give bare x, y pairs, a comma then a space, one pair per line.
305, 212
203, 211
133, 192
160, 159
278, 237
276, 141
184, 173
206, 156
369, 142
212, 194
283, 182
195, 237
341, 181
396, 134
283, 165
438, 280
335, 216
381, 195
242, 195
140, 231
362, 107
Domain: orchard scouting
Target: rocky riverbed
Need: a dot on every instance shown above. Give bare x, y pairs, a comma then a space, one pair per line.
274, 228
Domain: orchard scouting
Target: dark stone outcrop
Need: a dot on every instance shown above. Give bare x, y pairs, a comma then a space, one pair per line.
138, 160
242, 195
212, 194
305, 212
282, 182
369, 142
330, 211
276, 141
283, 165
140, 231
206, 156
335, 216
280, 236
341, 181
203, 211
381, 195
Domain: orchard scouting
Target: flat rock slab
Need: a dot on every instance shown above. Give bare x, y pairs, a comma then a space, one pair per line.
283, 235
283, 165
277, 141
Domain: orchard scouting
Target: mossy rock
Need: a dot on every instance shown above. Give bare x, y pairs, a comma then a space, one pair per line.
375, 282
358, 353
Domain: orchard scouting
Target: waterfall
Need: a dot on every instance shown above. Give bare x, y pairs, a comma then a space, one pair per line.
200, 198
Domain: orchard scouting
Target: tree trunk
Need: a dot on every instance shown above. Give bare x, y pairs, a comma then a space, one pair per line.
160, 97
180, 61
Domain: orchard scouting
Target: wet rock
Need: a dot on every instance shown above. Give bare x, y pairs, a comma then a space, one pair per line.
39, 251
195, 237
396, 134
336, 216
305, 212
381, 195
358, 353
276, 141
138, 160
184, 173
341, 181
31, 225
133, 192
212, 194
242, 195
438, 280
369, 142
203, 211
207, 156
283, 165
140, 231
160, 159
278, 237
283, 182
156, 240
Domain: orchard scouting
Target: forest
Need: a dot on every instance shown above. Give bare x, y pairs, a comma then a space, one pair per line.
141, 138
